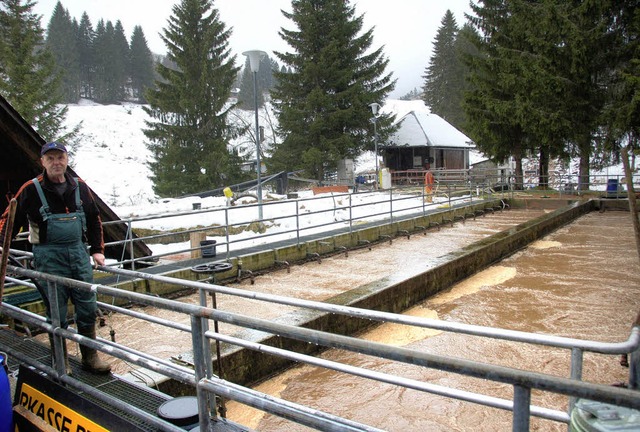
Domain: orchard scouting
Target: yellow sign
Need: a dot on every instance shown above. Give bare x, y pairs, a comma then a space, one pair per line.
56, 414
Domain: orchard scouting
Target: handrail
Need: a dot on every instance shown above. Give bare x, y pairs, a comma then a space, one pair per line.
523, 381
357, 207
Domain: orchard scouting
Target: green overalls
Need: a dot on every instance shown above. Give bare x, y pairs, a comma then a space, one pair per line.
65, 254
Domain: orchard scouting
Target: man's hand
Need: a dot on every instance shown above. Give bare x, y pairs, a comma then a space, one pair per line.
98, 259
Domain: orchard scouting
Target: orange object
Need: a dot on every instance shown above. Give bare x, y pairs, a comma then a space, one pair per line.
428, 182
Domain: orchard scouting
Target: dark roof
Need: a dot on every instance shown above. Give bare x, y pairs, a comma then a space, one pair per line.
20, 148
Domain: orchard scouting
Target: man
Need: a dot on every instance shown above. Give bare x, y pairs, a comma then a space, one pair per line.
63, 219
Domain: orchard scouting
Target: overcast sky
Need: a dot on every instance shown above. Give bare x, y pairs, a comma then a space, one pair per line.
406, 28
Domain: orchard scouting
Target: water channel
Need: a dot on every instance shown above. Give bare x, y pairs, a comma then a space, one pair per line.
581, 281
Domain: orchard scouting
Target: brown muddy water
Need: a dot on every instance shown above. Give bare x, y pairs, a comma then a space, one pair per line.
581, 281
312, 281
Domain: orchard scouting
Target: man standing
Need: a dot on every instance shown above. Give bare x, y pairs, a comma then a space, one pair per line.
63, 219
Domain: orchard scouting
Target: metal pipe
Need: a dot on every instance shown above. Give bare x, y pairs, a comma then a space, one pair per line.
632, 343
463, 395
299, 413
623, 397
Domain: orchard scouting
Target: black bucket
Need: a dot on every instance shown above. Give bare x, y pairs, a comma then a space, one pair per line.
208, 248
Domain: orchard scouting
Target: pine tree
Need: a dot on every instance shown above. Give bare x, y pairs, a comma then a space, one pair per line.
29, 78
141, 71
121, 62
100, 54
518, 100
61, 40
444, 77
111, 53
323, 101
190, 131
588, 49
86, 56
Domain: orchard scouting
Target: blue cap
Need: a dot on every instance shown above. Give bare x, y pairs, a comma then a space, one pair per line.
52, 146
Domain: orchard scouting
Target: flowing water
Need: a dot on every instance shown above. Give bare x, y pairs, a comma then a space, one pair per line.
581, 281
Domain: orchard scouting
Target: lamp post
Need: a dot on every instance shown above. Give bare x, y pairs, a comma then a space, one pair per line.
374, 109
254, 61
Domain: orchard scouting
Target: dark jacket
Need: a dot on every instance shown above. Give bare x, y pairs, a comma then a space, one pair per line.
28, 210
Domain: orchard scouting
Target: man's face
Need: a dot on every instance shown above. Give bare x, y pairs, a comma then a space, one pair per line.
55, 163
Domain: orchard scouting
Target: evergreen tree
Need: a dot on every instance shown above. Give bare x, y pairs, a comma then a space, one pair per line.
100, 53
29, 78
111, 52
584, 61
142, 76
518, 100
61, 40
323, 103
444, 77
86, 56
489, 103
621, 114
414, 94
189, 131
121, 62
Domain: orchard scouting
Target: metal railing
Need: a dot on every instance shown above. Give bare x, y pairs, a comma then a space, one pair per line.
292, 219
206, 385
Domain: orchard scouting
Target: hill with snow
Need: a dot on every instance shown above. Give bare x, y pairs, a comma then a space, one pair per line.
112, 155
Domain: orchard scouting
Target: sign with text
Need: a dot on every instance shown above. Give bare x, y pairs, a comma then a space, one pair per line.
45, 402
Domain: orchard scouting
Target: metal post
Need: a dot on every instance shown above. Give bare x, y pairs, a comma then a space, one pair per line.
634, 369
375, 143
57, 351
254, 62
205, 327
206, 401
374, 109
576, 372
259, 167
131, 246
226, 231
521, 408
297, 224
350, 214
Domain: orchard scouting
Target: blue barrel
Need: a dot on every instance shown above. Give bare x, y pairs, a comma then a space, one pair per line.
612, 186
6, 409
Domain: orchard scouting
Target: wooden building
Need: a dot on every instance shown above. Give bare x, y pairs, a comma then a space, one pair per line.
424, 141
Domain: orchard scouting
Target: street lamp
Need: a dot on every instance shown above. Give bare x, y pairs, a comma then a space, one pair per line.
374, 109
254, 61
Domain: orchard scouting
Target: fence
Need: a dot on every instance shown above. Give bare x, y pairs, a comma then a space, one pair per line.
207, 385
292, 219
